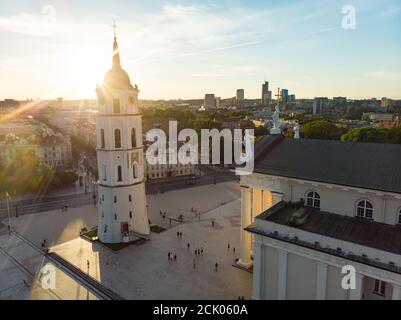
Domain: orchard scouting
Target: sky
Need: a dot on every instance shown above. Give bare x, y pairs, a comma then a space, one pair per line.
184, 49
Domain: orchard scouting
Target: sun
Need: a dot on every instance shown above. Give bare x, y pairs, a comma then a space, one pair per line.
87, 67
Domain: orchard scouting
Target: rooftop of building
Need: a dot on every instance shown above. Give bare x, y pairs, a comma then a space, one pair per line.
356, 230
373, 166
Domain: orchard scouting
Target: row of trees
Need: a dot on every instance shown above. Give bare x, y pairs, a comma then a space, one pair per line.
26, 174
325, 129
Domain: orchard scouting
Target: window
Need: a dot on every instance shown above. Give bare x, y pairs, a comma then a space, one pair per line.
129, 198
131, 100
380, 287
119, 174
364, 209
135, 171
115, 216
133, 138
130, 214
117, 138
102, 197
102, 141
115, 199
104, 172
313, 199
105, 228
116, 105
399, 217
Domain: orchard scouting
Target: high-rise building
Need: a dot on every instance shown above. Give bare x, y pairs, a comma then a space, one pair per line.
266, 94
320, 104
209, 102
284, 95
218, 103
240, 94
122, 209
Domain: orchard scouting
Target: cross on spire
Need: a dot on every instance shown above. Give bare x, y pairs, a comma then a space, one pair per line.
116, 54
278, 95
114, 27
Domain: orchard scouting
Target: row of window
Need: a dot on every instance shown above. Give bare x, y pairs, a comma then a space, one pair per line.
115, 200
117, 104
364, 208
120, 172
117, 138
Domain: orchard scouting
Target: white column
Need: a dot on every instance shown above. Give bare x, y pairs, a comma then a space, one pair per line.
356, 294
258, 270
396, 292
282, 275
276, 198
246, 220
321, 281
257, 207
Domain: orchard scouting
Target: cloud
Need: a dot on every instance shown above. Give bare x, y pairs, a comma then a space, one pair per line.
384, 75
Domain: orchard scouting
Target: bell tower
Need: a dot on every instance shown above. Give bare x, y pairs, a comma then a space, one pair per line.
122, 199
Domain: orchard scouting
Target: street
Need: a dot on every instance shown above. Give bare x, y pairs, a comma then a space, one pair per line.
47, 203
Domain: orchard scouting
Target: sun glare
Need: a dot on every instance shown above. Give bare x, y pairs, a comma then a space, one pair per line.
86, 69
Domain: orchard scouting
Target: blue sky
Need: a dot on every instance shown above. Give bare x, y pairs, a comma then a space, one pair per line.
174, 49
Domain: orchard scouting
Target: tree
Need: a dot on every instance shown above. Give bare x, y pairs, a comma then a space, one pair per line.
321, 129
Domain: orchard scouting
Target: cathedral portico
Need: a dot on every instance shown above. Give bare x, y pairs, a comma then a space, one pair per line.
257, 195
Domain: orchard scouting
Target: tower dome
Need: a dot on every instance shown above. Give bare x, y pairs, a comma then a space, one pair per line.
117, 78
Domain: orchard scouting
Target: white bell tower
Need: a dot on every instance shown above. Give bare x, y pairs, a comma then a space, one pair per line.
122, 200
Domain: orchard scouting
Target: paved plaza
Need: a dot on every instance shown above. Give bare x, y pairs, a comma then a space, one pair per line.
144, 271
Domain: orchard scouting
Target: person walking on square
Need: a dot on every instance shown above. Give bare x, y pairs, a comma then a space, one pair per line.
228, 247
175, 257
212, 223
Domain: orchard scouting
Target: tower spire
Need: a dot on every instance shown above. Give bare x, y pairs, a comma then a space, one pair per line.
116, 53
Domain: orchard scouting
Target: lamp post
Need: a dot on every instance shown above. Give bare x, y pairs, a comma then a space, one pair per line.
8, 212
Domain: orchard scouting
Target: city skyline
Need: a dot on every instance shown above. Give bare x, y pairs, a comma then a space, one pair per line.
186, 49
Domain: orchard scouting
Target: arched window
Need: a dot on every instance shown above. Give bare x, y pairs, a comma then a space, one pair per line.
102, 140
313, 199
117, 138
133, 138
364, 209
116, 105
135, 171
119, 173
104, 169
130, 214
399, 217
115, 199
129, 198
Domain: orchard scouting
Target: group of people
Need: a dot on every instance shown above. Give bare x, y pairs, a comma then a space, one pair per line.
172, 257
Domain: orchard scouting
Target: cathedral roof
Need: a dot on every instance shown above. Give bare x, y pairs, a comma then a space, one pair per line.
116, 77
374, 166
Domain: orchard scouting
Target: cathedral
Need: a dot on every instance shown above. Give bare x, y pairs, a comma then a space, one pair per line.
122, 210
314, 208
